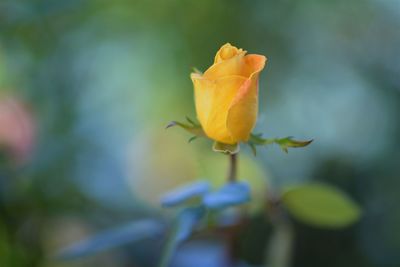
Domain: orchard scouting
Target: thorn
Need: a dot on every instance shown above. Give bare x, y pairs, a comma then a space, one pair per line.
191, 139
190, 121
253, 149
171, 124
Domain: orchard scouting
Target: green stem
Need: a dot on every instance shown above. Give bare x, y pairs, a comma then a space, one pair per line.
232, 171
231, 237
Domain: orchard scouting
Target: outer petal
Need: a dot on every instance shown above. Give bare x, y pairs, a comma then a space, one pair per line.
213, 100
242, 113
254, 64
203, 96
226, 90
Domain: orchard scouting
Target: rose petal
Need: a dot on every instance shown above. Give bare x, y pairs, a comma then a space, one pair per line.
203, 94
242, 113
227, 64
226, 52
254, 63
213, 99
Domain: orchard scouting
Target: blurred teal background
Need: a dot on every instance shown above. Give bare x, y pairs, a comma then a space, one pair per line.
87, 87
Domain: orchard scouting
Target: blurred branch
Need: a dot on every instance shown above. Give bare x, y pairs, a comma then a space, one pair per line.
279, 249
278, 252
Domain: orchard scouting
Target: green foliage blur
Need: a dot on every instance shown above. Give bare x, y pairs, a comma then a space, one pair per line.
88, 86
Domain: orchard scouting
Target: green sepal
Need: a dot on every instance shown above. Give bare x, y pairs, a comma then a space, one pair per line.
284, 143
197, 71
288, 142
226, 148
191, 126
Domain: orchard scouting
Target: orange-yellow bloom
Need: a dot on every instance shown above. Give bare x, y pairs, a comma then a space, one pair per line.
226, 95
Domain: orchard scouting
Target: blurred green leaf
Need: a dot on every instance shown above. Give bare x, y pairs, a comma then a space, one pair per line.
321, 205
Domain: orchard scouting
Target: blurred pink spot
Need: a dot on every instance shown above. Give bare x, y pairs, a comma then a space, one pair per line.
17, 129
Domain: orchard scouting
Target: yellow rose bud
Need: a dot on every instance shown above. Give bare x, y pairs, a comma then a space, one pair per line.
226, 95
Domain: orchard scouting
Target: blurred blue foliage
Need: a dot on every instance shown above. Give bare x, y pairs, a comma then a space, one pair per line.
185, 223
122, 235
187, 220
230, 194
185, 193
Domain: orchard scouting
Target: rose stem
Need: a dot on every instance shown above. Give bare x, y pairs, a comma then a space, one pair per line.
232, 233
232, 172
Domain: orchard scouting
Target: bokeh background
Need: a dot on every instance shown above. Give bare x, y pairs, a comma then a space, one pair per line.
87, 87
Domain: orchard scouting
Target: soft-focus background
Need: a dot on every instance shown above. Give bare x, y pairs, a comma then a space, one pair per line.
87, 87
